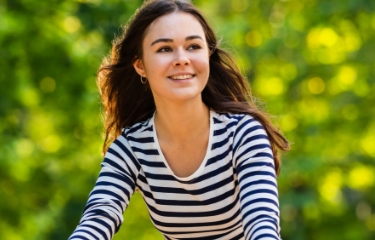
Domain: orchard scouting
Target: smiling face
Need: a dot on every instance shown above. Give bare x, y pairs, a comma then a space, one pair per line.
175, 58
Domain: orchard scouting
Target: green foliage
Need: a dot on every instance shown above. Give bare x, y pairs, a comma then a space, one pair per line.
311, 61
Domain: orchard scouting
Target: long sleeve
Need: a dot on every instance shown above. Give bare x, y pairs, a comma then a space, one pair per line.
257, 181
103, 214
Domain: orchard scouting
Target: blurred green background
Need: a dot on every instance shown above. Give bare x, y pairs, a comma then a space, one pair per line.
311, 64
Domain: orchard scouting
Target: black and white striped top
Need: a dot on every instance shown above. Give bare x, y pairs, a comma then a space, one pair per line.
232, 195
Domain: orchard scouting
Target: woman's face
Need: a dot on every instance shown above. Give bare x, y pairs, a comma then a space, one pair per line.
175, 58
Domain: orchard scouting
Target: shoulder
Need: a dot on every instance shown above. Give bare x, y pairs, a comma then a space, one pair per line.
133, 136
236, 121
139, 129
241, 127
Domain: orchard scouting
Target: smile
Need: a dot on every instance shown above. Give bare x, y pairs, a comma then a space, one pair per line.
181, 77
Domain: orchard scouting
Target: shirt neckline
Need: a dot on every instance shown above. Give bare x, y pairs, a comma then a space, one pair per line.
203, 163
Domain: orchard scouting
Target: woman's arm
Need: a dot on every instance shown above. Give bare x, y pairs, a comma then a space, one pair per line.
103, 214
257, 181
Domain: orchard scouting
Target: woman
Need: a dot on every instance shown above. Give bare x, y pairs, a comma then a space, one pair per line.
181, 127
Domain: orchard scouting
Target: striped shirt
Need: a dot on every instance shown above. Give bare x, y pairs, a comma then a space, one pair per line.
232, 195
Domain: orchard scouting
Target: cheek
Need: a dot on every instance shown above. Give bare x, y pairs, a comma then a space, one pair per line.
202, 65
154, 63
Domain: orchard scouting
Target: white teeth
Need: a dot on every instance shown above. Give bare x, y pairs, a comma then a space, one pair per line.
182, 77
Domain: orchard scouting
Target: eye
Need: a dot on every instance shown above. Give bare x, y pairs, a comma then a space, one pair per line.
164, 49
194, 47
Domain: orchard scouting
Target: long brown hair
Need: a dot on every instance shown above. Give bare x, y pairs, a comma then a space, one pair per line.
127, 101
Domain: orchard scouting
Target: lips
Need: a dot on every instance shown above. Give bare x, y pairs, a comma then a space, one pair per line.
181, 76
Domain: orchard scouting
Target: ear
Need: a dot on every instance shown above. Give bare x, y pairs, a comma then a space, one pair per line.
139, 68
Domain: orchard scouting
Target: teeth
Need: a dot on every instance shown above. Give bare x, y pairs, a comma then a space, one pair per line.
182, 77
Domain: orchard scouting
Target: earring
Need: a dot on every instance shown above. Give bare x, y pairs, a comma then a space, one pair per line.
143, 82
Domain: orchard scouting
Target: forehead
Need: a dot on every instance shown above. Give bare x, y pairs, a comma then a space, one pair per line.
174, 25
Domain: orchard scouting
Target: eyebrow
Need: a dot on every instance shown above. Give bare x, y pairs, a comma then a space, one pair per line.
171, 40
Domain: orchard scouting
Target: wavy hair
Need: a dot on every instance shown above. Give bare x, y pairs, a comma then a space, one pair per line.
127, 101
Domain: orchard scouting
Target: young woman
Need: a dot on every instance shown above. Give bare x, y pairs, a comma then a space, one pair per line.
182, 128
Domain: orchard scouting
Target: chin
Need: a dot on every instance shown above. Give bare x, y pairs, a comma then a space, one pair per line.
187, 97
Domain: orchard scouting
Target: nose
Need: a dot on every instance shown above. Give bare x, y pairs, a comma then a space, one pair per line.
181, 59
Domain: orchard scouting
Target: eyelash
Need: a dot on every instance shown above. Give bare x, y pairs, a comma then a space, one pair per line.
193, 46
163, 48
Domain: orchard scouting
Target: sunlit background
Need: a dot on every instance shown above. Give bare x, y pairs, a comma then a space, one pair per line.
311, 65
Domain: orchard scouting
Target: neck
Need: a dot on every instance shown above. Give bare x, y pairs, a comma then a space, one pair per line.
182, 122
